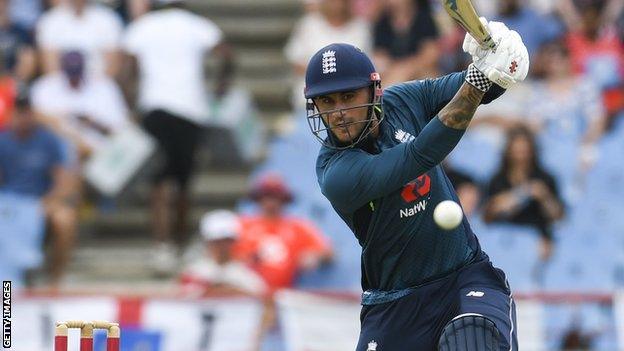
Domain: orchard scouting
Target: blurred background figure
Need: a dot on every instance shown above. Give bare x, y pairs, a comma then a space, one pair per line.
84, 107
522, 192
567, 113
17, 46
467, 188
80, 25
217, 271
595, 49
575, 339
405, 42
276, 245
334, 21
34, 163
168, 47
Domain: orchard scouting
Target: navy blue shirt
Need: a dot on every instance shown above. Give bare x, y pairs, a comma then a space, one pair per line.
26, 165
387, 196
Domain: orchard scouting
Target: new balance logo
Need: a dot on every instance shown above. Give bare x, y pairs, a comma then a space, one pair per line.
403, 136
475, 294
329, 62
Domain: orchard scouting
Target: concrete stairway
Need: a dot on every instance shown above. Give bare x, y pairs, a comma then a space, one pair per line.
115, 244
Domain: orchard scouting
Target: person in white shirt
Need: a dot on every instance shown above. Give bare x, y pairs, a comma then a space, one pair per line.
78, 25
168, 47
334, 22
84, 107
217, 272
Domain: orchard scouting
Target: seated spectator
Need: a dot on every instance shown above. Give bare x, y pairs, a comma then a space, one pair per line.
80, 25
522, 192
168, 47
534, 28
17, 46
85, 107
217, 272
334, 22
32, 163
405, 42
275, 245
595, 48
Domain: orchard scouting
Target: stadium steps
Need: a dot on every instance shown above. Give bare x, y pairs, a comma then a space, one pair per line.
115, 243
257, 32
130, 216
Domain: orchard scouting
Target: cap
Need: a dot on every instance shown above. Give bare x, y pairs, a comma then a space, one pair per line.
338, 67
270, 185
219, 224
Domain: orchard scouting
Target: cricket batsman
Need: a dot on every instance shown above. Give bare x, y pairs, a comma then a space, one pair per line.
424, 288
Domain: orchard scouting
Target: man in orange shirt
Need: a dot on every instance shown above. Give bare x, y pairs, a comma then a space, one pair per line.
278, 247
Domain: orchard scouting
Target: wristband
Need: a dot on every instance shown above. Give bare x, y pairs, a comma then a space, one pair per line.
477, 79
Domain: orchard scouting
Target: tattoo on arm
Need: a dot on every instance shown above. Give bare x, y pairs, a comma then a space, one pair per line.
459, 111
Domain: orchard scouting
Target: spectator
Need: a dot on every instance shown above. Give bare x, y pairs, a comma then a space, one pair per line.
467, 189
334, 22
568, 114
522, 192
277, 246
575, 340
169, 46
80, 25
593, 42
405, 44
534, 28
83, 106
16, 44
32, 163
8, 91
217, 272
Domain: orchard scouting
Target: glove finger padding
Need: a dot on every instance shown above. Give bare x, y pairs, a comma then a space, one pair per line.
508, 64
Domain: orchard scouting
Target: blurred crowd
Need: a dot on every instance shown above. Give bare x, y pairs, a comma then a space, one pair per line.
76, 73
546, 130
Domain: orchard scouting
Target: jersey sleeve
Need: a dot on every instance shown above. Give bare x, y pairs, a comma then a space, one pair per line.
352, 178
434, 94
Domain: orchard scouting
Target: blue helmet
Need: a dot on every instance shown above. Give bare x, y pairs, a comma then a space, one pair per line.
340, 68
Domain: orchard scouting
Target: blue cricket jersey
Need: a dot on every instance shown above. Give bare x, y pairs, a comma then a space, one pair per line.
387, 194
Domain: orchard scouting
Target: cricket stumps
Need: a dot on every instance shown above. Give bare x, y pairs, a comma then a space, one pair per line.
86, 334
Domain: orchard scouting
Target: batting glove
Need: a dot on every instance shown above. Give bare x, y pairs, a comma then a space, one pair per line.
508, 63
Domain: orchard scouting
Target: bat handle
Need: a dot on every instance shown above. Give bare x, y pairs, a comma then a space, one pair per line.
489, 43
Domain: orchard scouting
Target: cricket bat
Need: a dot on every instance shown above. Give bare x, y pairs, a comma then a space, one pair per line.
464, 13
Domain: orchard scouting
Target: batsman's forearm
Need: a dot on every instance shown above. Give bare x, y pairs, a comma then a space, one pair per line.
459, 111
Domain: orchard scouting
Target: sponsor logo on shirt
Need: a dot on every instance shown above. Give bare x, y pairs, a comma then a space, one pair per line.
372, 346
403, 136
416, 193
475, 294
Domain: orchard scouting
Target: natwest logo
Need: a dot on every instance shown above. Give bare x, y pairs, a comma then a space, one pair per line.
417, 189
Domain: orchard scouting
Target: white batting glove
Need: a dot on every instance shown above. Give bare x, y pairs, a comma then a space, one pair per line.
505, 66
497, 30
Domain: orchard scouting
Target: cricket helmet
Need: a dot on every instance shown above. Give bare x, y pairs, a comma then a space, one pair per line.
341, 68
